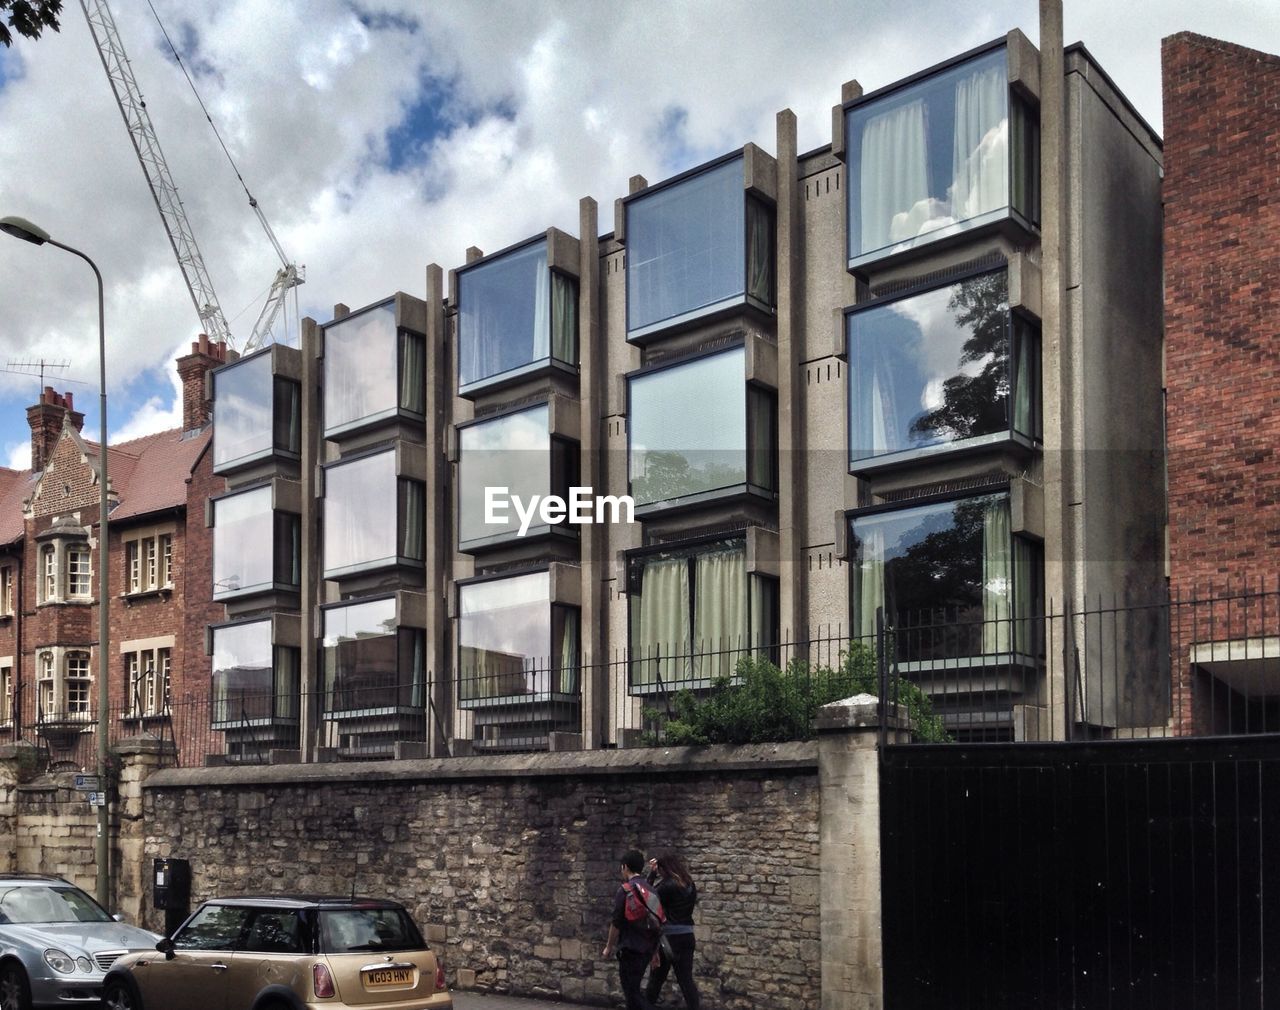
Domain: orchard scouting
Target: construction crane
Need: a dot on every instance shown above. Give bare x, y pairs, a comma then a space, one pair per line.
138, 122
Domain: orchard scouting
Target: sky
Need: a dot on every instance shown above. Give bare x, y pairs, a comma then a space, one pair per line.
381, 136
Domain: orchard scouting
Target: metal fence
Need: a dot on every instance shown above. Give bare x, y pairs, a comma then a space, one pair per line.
1183, 666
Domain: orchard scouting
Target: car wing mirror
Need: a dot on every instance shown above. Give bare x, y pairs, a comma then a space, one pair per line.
165, 947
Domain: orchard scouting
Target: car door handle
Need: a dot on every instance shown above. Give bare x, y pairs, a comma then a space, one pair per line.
218, 966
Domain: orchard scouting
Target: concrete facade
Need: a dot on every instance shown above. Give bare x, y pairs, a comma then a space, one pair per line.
1084, 274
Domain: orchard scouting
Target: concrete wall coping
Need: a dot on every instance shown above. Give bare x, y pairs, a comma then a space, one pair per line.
800, 756
862, 711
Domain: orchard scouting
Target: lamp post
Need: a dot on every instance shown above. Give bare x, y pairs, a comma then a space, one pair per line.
28, 232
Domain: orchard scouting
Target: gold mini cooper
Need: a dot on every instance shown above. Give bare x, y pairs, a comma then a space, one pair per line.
285, 954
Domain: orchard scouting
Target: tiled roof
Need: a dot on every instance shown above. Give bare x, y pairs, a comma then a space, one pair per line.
150, 473
15, 488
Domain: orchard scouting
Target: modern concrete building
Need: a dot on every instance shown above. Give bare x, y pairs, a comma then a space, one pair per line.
913, 373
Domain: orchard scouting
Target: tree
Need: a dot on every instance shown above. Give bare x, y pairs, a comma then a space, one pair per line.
29, 18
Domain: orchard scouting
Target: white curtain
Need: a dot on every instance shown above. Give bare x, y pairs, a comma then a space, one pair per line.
980, 156
412, 376
662, 624
719, 611
541, 308
894, 183
997, 578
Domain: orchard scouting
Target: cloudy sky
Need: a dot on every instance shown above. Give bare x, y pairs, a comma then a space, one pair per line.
380, 136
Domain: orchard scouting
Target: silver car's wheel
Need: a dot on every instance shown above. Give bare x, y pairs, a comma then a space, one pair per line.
118, 997
15, 994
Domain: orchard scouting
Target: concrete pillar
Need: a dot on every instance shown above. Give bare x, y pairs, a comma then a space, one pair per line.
312, 441
139, 758
849, 851
438, 393
18, 762
593, 403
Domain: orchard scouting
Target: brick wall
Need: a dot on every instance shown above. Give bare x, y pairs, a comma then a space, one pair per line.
1222, 343
195, 577
513, 876
1222, 306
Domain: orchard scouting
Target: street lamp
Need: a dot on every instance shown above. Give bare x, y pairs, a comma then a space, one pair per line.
21, 228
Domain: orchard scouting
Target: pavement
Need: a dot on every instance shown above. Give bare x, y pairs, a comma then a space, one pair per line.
471, 1000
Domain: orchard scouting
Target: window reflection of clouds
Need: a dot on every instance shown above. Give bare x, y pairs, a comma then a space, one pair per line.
360, 512
513, 451
359, 620
360, 369
243, 541
242, 410
508, 616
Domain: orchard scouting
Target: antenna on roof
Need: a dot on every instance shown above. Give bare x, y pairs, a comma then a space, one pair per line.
38, 368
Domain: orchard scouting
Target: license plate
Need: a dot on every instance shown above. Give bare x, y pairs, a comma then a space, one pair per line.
385, 978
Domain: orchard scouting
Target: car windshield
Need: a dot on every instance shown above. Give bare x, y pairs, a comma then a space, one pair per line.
359, 929
38, 903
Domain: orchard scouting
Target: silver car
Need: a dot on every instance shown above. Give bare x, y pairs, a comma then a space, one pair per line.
56, 943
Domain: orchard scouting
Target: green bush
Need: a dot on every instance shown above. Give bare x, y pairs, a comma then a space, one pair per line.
761, 703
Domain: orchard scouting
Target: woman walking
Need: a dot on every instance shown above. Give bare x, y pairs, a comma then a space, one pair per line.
670, 877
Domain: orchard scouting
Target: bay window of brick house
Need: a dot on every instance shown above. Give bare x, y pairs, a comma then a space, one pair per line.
148, 560
6, 691
147, 669
64, 565
63, 685
6, 591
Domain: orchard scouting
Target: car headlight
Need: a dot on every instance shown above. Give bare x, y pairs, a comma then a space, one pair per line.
60, 961
84, 964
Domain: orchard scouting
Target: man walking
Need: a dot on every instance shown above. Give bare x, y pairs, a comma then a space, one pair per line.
630, 938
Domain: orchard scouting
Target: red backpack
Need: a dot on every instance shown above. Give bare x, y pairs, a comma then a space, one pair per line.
643, 908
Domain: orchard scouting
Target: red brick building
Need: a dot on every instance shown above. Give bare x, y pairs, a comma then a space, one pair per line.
1222, 356
158, 576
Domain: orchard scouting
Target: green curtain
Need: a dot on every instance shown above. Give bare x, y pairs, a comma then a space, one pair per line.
719, 611
286, 683
567, 660
760, 470
759, 251
997, 578
412, 373
1024, 604
1026, 379
660, 646
564, 318
413, 516
764, 597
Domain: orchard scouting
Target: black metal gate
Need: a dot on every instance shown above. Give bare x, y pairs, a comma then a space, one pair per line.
1118, 875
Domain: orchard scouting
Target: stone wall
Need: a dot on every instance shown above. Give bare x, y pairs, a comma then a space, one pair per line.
510, 863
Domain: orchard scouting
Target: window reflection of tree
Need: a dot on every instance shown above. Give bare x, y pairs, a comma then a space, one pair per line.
975, 404
933, 588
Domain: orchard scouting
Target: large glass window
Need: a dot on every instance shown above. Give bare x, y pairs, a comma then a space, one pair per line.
698, 428
933, 158
517, 452
695, 612
372, 518
695, 246
944, 366
952, 579
254, 681
513, 642
243, 525
255, 413
372, 370
514, 314
369, 663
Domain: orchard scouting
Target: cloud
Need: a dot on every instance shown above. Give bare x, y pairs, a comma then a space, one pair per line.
18, 455
156, 413
382, 136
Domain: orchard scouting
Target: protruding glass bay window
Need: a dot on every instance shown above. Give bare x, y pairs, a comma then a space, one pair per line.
517, 315
256, 413
255, 681
696, 245
698, 430
374, 518
940, 155
256, 547
372, 665
944, 368
374, 370
515, 451
695, 611
515, 644
956, 586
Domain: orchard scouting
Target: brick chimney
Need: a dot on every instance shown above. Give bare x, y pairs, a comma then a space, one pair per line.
194, 369
46, 418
